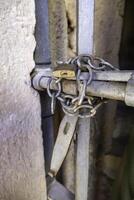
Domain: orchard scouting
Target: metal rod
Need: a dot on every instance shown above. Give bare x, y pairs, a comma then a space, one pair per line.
85, 30
43, 60
42, 51
85, 26
117, 76
109, 90
113, 76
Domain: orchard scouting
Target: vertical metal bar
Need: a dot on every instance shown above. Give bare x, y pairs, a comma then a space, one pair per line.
43, 60
85, 24
82, 159
42, 51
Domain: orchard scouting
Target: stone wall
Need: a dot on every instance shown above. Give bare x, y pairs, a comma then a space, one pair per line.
22, 174
108, 28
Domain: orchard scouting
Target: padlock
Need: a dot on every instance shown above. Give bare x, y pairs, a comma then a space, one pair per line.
67, 71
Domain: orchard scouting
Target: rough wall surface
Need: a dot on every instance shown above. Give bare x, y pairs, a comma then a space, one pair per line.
58, 30
108, 28
21, 152
71, 17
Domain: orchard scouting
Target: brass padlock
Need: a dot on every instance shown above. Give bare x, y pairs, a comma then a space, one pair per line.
66, 71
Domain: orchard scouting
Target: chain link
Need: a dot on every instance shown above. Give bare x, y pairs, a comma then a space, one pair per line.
83, 105
53, 94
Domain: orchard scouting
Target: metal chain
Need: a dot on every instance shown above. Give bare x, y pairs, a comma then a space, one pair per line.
53, 94
82, 104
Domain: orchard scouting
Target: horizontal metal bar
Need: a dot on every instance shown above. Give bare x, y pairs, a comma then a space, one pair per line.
110, 90
114, 76
123, 91
118, 76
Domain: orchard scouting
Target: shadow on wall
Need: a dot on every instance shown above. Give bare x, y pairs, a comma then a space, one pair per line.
127, 43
